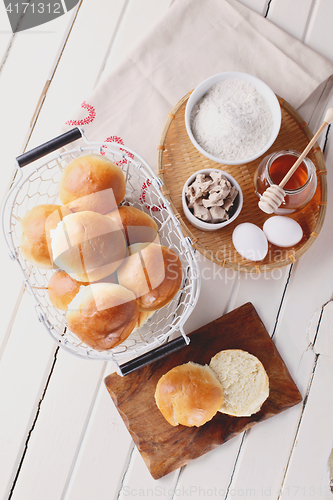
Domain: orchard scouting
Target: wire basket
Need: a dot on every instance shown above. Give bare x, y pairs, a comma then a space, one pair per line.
143, 191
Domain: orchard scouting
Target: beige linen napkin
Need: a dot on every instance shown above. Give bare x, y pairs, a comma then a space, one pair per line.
194, 40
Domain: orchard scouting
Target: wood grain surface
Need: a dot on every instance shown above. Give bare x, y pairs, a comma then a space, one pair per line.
165, 448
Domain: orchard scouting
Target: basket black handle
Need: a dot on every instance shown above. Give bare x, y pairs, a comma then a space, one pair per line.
49, 146
153, 355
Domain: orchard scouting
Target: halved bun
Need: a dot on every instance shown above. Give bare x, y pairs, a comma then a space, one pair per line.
102, 315
88, 246
92, 182
189, 394
35, 233
62, 289
244, 381
153, 272
138, 226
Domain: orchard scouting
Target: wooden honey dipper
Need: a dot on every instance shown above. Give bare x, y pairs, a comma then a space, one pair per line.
272, 198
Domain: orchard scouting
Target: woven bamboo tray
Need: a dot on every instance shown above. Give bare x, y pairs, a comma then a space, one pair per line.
178, 159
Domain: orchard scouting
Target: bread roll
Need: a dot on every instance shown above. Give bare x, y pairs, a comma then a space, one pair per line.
153, 272
92, 182
244, 381
189, 394
138, 226
143, 317
62, 289
88, 246
111, 278
35, 233
102, 315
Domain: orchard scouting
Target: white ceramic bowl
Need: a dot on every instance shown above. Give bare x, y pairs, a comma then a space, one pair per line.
261, 87
209, 226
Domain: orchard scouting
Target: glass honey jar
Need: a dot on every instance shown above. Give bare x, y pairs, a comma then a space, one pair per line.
299, 189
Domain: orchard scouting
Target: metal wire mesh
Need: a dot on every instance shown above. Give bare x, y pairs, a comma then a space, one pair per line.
143, 192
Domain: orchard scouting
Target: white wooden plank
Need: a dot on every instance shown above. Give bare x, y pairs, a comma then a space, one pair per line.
24, 368
138, 482
323, 343
308, 472
79, 67
54, 443
310, 287
6, 35
22, 81
210, 475
267, 446
10, 293
217, 284
139, 18
292, 17
265, 291
103, 454
319, 35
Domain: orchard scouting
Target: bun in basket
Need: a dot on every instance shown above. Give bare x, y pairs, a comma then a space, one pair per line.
102, 315
138, 226
189, 394
88, 246
244, 381
92, 182
62, 289
35, 233
153, 272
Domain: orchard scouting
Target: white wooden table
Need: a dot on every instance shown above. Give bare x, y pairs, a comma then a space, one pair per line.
60, 434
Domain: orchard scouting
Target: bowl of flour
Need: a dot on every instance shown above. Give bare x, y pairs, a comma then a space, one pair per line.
232, 118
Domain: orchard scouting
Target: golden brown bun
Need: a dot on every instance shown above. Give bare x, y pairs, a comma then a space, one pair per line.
62, 289
153, 272
88, 246
111, 278
102, 315
189, 394
35, 237
139, 227
92, 182
143, 317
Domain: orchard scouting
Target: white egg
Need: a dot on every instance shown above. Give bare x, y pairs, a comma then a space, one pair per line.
282, 231
250, 241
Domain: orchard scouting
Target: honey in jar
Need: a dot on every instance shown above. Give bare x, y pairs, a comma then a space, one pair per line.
299, 189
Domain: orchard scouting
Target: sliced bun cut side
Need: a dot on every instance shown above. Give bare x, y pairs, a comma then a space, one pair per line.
244, 381
36, 226
153, 272
88, 246
93, 183
189, 394
102, 315
138, 226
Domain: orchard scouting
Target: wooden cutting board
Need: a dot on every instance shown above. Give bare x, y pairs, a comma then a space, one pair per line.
165, 448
